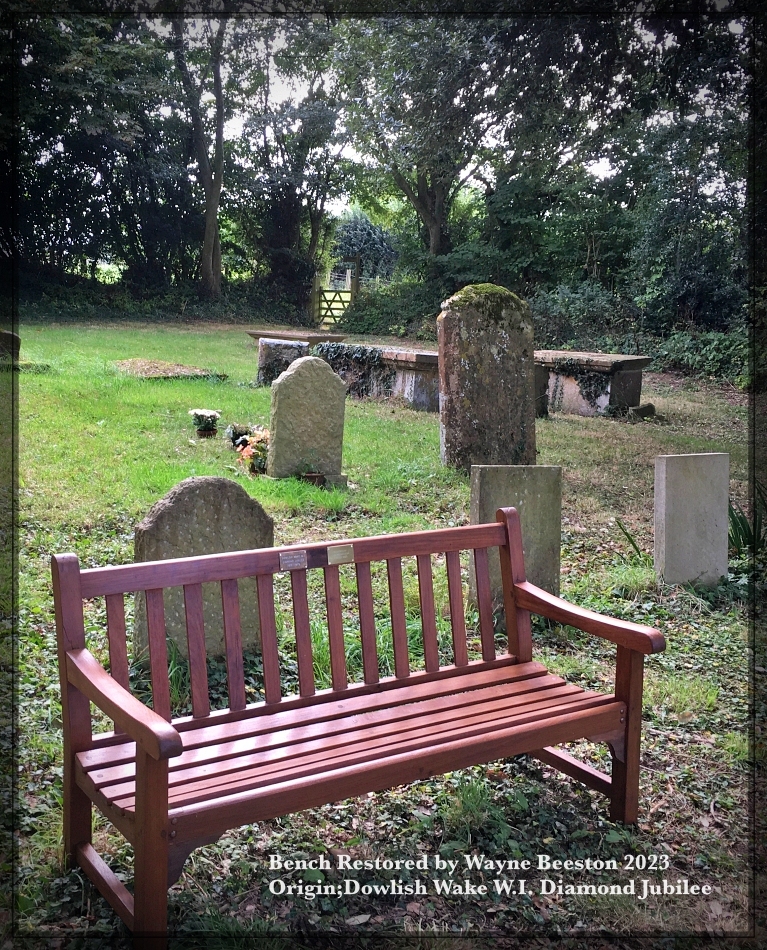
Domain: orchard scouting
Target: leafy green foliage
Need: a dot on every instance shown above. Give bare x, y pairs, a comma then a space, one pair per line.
705, 353
401, 308
748, 536
356, 234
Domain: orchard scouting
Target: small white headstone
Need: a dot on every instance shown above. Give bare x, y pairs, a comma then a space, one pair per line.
691, 517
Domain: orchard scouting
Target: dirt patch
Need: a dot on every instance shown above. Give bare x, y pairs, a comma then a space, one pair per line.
157, 369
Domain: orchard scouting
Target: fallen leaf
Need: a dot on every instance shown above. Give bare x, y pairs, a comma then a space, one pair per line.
359, 919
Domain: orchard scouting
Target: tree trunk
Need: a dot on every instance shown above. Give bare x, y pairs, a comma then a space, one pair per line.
211, 173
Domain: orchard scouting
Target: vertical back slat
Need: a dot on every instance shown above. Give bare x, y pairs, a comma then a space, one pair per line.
457, 619
195, 639
235, 672
158, 652
269, 653
428, 615
118, 651
367, 622
485, 603
335, 627
398, 621
303, 633
513, 572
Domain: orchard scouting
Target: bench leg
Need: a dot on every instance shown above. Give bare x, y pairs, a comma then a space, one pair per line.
78, 818
150, 874
624, 795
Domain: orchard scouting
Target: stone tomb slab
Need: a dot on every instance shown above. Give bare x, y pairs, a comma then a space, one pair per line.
691, 517
203, 515
416, 379
588, 384
311, 337
274, 357
306, 429
536, 492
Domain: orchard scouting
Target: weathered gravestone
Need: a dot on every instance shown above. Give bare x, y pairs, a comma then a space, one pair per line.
536, 492
487, 379
306, 428
10, 345
204, 515
274, 357
692, 517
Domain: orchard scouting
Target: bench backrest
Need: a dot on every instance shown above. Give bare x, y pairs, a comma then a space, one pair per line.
351, 594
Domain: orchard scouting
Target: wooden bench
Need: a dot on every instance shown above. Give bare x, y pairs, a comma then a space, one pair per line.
173, 784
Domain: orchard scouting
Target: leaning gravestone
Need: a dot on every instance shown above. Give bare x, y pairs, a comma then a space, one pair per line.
204, 515
306, 428
487, 379
692, 517
274, 357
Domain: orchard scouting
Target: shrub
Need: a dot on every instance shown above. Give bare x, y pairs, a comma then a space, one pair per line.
705, 353
403, 309
584, 317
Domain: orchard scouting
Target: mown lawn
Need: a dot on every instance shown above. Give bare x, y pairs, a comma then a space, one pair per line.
97, 448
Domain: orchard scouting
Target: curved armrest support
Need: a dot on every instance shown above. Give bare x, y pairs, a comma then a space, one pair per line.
633, 636
156, 737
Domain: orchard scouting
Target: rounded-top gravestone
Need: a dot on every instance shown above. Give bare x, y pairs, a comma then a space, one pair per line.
487, 379
203, 515
306, 427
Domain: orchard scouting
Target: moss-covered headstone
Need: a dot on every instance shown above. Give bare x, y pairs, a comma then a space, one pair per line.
487, 379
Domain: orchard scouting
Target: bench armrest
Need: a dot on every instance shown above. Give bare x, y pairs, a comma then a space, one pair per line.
156, 737
633, 636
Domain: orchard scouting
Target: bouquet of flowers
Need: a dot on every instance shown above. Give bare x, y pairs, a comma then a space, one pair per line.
252, 447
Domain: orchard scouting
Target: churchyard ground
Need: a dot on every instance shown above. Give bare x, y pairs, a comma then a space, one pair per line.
98, 447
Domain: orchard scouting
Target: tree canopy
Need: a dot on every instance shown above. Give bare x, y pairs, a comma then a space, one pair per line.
537, 151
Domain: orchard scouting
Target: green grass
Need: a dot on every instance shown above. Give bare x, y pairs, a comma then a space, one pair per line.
98, 448
683, 695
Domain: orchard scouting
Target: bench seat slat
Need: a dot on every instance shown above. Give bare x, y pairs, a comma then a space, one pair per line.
306, 763
347, 705
350, 781
360, 745
270, 735
313, 743
419, 743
